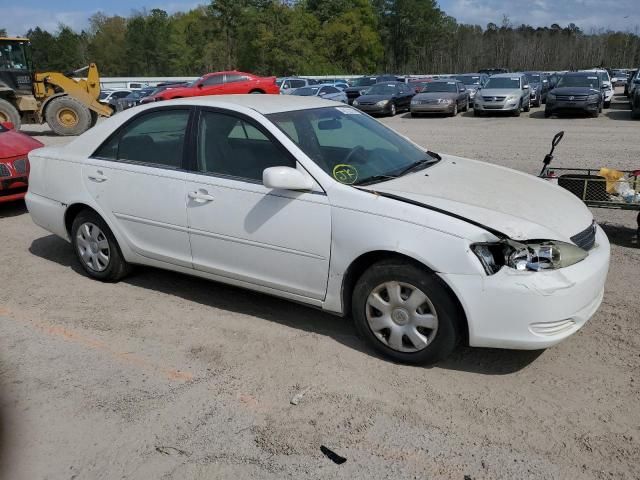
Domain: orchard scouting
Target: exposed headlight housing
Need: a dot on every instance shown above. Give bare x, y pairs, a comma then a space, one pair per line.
444, 100
382, 103
534, 255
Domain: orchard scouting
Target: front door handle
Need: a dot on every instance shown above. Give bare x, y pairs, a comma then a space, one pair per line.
98, 177
201, 196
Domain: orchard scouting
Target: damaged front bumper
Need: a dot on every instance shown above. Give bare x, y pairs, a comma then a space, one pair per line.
532, 310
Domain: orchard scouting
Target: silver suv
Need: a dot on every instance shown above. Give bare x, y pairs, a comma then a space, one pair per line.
506, 92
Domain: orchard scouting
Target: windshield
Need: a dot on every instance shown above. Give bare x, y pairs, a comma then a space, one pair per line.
12, 57
382, 89
103, 95
279, 82
440, 87
193, 84
364, 82
469, 79
588, 81
306, 91
350, 146
533, 77
503, 82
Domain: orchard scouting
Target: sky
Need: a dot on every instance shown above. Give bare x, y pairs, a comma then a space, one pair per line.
18, 16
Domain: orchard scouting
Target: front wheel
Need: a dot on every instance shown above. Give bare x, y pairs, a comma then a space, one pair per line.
393, 111
607, 104
466, 106
68, 116
547, 113
405, 313
97, 249
454, 112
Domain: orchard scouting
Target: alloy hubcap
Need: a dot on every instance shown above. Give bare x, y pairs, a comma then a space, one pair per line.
93, 247
401, 316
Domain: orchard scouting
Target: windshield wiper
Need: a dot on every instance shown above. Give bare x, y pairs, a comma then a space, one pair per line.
423, 163
375, 179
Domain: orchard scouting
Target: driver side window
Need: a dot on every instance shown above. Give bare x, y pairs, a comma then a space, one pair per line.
230, 146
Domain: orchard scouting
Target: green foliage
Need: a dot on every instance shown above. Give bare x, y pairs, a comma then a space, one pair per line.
315, 37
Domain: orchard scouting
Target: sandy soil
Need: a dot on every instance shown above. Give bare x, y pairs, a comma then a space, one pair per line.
165, 376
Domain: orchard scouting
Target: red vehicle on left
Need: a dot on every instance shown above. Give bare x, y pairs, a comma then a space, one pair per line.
14, 164
222, 83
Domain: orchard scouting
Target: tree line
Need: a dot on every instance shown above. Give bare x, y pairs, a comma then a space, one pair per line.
321, 37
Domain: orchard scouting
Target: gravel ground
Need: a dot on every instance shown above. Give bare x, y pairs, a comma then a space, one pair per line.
171, 377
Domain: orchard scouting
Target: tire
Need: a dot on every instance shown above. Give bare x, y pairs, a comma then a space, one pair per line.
600, 108
256, 92
438, 339
595, 114
466, 106
607, 104
414, 115
90, 226
528, 107
547, 113
477, 113
68, 116
635, 113
94, 118
517, 111
454, 113
393, 111
9, 113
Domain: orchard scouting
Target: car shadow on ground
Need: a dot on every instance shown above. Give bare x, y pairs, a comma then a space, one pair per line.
621, 235
619, 114
238, 300
12, 209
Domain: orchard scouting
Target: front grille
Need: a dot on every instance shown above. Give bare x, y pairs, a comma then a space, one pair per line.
493, 99
4, 170
571, 98
586, 239
20, 166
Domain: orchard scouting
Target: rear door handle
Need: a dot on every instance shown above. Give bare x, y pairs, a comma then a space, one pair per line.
201, 196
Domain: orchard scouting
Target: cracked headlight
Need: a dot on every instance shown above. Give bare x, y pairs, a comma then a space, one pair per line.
534, 255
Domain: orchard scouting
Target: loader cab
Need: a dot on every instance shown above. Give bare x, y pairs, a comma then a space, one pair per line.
16, 71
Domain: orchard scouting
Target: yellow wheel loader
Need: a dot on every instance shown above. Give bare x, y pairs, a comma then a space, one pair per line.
69, 106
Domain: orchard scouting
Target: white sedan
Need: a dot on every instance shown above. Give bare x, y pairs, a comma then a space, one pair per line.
319, 203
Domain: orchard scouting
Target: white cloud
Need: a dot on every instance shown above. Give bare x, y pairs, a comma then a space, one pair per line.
587, 14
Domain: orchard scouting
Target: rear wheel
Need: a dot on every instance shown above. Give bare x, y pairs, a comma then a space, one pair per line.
9, 113
405, 312
68, 116
97, 249
94, 118
256, 92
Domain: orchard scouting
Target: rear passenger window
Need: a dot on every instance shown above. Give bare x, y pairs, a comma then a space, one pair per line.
154, 138
298, 83
233, 147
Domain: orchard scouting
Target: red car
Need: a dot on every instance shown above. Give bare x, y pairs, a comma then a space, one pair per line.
222, 83
14, 165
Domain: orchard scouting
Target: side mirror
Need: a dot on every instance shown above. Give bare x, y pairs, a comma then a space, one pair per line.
285, 87
8, 125
556, 139
200, 85
525, 88
286, 178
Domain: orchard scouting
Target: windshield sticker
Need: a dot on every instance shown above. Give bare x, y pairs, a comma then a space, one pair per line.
347, 174
348, 111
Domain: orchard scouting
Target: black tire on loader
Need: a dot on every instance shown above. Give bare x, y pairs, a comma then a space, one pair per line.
68, 116
9, 113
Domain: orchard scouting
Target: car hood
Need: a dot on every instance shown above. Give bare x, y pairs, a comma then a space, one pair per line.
574, 91
516, 204
374, 98
499, 92
435, 95
14, 143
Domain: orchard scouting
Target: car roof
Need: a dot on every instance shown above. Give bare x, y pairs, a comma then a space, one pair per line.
581, 73
264, 104
508, 75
